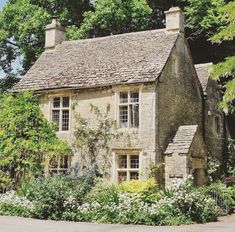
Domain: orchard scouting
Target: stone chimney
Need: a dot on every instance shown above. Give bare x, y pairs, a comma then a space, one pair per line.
55, 34
175, 20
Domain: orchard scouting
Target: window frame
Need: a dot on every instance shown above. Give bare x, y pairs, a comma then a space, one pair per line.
128, 169
59, 169
61, 109
175, 64
128, 104
216, 119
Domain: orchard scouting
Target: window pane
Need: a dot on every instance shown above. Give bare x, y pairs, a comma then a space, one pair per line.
65, 120
134, 97
134, 115
54, 163
64, 162
65, 102
174, 64
123, 97
217, 124
123, 117
122, 161
134, 176
134, 161
122, 176
56, 118
56, 102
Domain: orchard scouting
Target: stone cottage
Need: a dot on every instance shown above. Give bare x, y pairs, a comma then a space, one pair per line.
151, 85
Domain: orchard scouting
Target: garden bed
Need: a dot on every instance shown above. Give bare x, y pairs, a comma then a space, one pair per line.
96, 200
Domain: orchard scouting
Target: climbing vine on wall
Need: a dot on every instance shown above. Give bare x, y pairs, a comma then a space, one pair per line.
93, 141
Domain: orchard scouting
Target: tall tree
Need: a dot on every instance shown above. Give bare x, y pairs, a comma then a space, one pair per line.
23, 21
226, 69
22, 27
113, 17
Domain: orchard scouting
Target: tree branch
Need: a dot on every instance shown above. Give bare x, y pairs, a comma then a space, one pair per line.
12, 43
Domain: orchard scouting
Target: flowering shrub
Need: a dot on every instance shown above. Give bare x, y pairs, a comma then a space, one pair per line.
225, 196
198, 206
14, 205
183, 206
58, 194
61, 198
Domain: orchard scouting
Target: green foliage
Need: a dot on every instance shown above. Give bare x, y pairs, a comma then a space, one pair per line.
225, 196
202, 16
113, 17
92, 140
185, 205
22, 27
227, 15
14, 210
54, 196
13, 205
226, 69
138, 186
8, 82
212, 168
26, 139
146, 188
63, 198
23, 22
198, 206
103, 192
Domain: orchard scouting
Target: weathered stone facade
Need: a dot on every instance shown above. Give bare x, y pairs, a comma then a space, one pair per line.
186, 155
216, 131
173, 100
142, 139
157, 66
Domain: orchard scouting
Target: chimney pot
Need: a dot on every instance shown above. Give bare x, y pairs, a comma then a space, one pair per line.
55, 34
174, 20
54, 20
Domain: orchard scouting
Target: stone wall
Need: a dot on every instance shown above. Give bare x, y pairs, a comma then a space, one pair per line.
214, 140
142, 139
173, 101
180, 100
178, 166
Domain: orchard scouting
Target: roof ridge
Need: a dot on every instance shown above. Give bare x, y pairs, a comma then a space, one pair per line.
203, 65
117, 35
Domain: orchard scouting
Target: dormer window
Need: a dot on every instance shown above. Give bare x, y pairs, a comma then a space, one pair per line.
175, 64
60, 113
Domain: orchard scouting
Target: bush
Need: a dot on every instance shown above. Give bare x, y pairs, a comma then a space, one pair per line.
13, 205
63, 198
194, 202
185, 205
27, 139
53, 196
225, 196
146, 188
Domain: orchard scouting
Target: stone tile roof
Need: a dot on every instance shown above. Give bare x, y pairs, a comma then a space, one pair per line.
182, 140
127, 58
203, 72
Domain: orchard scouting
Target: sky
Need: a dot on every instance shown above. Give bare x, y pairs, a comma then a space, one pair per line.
2, 2
16, 65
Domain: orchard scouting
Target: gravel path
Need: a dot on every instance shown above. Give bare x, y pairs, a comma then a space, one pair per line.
16, 224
